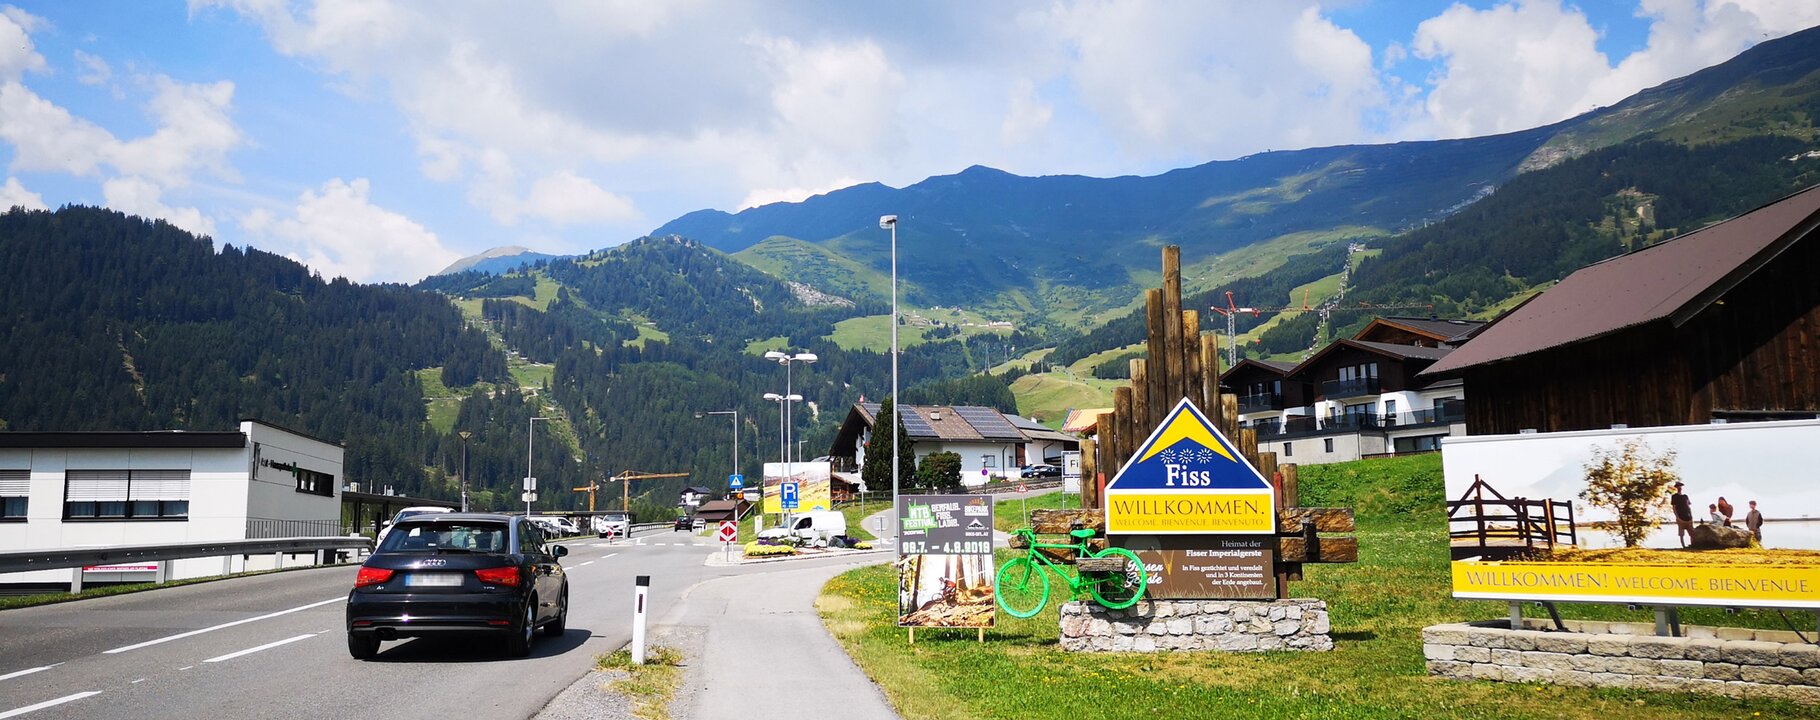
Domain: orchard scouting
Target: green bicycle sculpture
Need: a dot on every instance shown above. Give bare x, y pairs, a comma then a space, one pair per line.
1023, 583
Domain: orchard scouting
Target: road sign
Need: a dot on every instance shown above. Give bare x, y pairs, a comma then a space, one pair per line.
736, 481
530, 483
788, 496
1187, 478
728, 531
1022, 488
527, 497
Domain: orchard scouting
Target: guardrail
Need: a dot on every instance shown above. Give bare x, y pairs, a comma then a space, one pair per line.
80, 557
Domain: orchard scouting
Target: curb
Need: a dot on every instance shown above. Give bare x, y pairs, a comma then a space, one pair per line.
712, 560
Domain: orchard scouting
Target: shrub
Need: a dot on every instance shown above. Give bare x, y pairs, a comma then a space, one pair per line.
756, 549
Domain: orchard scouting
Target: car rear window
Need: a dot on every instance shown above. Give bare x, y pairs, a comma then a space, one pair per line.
455, 536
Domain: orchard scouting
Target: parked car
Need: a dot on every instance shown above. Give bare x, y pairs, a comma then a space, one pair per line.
820, 528
459, 573
617, 524
555, 526
402, 514
1041, 471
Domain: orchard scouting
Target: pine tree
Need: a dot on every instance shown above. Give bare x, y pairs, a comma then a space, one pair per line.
877, 469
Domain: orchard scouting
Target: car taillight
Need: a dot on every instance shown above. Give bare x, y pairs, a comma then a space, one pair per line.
498, 575
372, 576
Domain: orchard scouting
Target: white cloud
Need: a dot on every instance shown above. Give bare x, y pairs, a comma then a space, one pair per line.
567, 199
17, 55
339, 232
1519, 65
1028, 116
766, 196
92, 69
142, 197
12, 195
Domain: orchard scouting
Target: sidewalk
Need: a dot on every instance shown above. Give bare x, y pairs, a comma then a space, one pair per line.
763, 651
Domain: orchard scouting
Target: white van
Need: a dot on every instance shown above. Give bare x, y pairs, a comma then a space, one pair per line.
402, 514
820, 528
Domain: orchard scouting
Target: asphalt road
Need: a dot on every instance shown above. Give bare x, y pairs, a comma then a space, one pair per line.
273, 646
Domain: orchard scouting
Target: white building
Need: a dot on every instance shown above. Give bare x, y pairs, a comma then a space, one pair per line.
991, 444
74, 489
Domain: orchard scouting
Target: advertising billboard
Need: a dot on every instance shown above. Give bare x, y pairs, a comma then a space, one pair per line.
1187, 478
814, 486
944, 561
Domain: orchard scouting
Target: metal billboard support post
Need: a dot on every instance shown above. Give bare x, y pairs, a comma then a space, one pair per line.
643, 587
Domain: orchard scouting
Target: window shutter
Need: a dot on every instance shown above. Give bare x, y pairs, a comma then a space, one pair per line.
96, 485
15, 483
161, 485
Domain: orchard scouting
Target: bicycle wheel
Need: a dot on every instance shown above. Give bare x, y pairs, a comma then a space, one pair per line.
1023, 588
1120, 590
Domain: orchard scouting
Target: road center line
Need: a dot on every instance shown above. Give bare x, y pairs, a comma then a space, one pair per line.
48, 703
192, 633
583, 565
27, 671
608, 555
266, 646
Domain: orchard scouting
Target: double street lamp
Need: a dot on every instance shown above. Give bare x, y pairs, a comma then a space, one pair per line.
783, 440
464, 468
530, 448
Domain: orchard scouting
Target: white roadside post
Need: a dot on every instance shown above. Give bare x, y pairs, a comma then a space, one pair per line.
638, 619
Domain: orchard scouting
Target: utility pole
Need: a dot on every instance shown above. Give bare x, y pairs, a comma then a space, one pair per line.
530, 448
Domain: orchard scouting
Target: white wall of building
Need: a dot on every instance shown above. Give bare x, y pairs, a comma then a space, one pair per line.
272, 495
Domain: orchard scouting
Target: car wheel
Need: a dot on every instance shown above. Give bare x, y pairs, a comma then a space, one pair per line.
555, 628
363, 647
519, 644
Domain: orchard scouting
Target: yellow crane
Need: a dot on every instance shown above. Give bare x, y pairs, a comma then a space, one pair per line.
625, 478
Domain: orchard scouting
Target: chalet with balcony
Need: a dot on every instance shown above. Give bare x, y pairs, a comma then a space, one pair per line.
991, 444
1268, 393
1717, 325
1422, 332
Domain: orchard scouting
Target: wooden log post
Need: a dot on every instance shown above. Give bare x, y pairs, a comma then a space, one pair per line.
1229, 415
1210, 379
1192, 381
1151, 387
1248, 445
1090, 486
1121, 416
1142, 377
1171, 382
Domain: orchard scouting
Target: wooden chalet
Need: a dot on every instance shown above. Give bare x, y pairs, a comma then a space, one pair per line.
1430, 331
1722, 323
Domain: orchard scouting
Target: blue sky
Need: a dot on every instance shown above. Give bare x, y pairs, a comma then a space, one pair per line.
383, 139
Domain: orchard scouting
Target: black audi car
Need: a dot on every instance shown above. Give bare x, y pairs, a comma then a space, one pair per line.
459, 573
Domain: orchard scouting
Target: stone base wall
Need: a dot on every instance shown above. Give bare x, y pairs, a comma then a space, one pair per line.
1182, 625
1732, 662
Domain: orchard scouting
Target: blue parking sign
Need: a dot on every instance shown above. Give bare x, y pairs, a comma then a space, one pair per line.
787, 493
736, 482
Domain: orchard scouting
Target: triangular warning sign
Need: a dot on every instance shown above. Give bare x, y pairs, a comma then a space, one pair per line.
1186, 452
1187, 478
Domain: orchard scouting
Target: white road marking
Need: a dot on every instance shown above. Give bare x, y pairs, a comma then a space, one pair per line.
192, 633
186, 667
27, 671
267, 646
136, 682
48, 703
608, 555
583, 565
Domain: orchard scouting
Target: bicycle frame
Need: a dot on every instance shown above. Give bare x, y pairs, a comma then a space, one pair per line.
1076, 584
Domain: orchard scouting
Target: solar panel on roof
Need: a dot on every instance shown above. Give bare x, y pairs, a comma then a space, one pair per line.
989, 423
914, 426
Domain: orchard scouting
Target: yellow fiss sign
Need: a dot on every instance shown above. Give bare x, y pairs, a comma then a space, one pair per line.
1780, 586
1188, 479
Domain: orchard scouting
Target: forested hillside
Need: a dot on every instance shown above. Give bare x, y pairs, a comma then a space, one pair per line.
113, 322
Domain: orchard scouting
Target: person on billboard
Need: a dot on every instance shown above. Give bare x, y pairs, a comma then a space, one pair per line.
1753, 521
1725, 510
1713, 516
1684, 514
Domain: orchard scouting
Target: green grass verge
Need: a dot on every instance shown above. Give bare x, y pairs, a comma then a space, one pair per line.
1379, 607
1008, 515
650, 686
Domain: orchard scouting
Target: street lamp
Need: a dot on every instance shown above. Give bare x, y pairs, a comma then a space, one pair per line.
464, 468
785, 359
530, 447
783, 444
735, 413
889, 222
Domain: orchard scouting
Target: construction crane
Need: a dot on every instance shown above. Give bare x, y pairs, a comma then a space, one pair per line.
626, 478
1232, 310
1328, 309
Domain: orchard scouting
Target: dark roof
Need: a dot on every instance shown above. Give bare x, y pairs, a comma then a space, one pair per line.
697, 489
1405, 351
1672, 280
124, 439
1440, 329
989, 423
965, 422
1273, 367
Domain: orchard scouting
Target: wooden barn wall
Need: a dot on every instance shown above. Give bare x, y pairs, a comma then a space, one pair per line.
1759, 350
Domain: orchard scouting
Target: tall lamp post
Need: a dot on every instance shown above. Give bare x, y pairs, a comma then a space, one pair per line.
786, 359
735, 413
464, 468
890, 222
783, 444
530, 447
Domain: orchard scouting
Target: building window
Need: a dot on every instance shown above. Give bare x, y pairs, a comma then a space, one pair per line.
988, 461
126, 494
15, 493
1288, 449
1328, 443
315, 483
